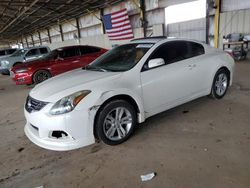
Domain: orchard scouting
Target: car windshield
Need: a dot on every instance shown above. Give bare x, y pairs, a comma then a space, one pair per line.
121, 58
19, 52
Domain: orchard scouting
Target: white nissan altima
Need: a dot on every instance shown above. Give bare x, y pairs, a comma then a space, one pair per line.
123, 87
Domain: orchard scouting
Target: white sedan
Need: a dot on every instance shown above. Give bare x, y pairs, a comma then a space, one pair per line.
123, 87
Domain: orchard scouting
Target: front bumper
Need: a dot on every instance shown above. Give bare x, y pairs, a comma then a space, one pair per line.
77, 124
21, 78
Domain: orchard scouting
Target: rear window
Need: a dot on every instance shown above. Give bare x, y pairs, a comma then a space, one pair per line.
68, 52
93, 50
10, 51
88, 50
2, 52
196, 49
172, 52
43, 50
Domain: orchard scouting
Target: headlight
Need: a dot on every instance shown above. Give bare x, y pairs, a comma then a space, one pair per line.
22, 70
67, 104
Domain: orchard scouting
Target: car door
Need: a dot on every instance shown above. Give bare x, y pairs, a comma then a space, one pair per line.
68, 59
200, 68
171, 84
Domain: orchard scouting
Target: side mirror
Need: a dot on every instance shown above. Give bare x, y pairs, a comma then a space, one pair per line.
24, 58
155, 62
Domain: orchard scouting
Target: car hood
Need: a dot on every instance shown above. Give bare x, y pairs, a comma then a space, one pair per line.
12, 58
35, 63
68, 83
4, 56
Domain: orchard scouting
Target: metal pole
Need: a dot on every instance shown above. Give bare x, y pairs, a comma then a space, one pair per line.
32, 39
61, 31
216, 23
207, 21
27, 42
78, 28
39, 35
101, 15
142, 17
49, 36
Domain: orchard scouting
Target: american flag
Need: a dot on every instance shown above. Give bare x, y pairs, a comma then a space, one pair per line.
118, 26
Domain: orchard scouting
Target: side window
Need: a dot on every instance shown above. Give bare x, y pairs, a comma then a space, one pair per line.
94, 49
68, 52
43, 50
2, 52
32, 52
82, 50
89, 49
11, 51
196, 49
171, 52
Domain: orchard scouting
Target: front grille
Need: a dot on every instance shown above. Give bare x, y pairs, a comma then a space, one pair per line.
33, 105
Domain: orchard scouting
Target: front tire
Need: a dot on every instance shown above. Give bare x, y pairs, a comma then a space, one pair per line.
116, 122
40, 76
220, 84
6, 72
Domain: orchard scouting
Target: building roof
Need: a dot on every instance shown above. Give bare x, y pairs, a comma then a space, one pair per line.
22, 17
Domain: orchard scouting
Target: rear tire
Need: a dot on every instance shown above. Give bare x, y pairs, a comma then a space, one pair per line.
220, 84
115, 122
40, 76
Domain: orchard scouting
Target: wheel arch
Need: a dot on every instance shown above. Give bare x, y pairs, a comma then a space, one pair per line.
39, 70
227, 71
125, 97
221, 68
16, 63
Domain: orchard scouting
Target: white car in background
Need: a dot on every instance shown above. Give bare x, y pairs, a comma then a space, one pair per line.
123, 87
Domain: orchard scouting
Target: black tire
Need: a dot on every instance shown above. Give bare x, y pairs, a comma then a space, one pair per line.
6, 72
40, 76
102, 128
215, 91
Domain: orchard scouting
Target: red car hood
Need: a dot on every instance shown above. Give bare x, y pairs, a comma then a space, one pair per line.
31, 64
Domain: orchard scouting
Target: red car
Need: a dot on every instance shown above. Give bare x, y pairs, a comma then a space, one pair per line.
58, 61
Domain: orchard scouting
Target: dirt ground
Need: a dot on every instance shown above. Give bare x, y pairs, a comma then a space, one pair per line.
205, 143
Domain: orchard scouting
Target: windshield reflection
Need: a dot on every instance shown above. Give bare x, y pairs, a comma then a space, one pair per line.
121, 58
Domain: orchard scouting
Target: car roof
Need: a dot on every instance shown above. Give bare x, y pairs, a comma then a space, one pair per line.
157, 39
35, 47
66, 47
149, 39
8, 49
